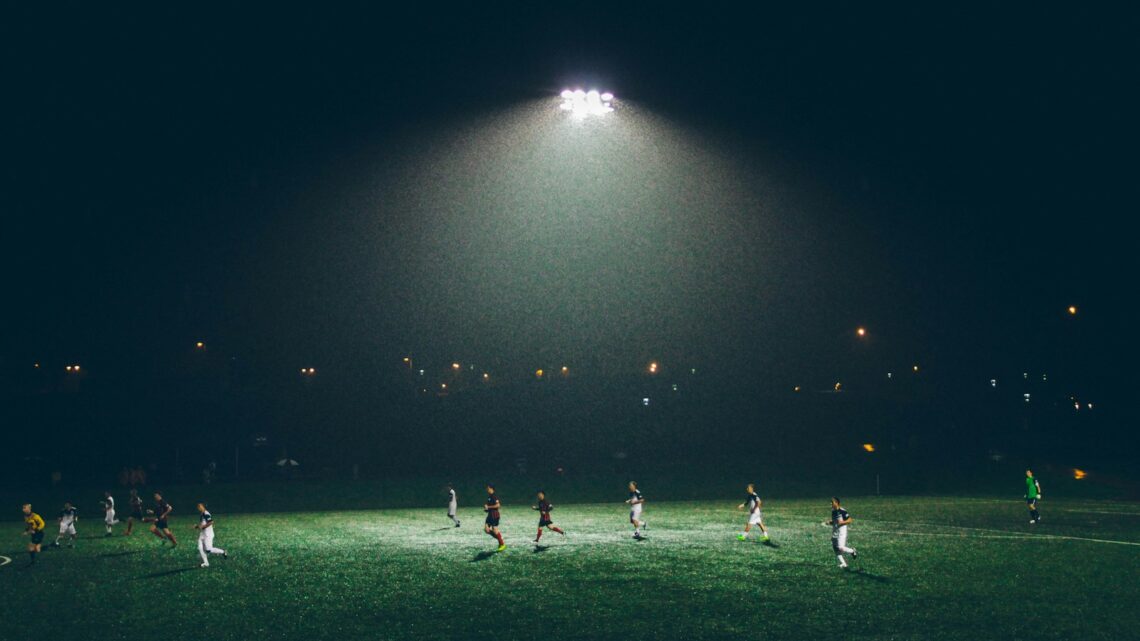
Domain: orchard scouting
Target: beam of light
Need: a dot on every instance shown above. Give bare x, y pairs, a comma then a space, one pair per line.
581, 103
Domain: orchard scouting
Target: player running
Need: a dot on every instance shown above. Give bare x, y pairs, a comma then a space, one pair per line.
109, 520
160, 526
755, 514
840, 519
1032, 495
636, 501
34, 527
452, 504
67, 518
491, 524
136, 511
205, 529
544, 507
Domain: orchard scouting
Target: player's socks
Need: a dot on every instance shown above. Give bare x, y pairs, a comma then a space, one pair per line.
558, 530
33, 555
538, 536
499, 536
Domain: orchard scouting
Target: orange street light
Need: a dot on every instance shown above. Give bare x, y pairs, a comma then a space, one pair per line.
1072, 310
869, 447
862, 331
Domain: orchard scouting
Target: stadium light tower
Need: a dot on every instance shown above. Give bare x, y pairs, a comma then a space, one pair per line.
581, 104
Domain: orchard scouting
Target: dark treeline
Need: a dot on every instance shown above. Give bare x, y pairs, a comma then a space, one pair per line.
389, 421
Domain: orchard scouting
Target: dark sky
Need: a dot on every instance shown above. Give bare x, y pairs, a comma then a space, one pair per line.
322, 185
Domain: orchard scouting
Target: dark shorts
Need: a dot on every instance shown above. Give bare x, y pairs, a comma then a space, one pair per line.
493, 521
136, 514
1031, 502
37, 537
545, 522
162, 525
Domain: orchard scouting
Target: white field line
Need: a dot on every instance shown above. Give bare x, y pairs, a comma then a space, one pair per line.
1000, 534
4, 561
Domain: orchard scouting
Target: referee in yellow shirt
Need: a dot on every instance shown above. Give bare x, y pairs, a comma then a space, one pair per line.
34, 526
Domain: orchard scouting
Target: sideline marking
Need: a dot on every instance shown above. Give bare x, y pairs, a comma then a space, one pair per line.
4, 561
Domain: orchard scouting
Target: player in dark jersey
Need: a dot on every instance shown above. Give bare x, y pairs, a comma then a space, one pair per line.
544, 507
33, 527
136, 504
491, 524
160, 525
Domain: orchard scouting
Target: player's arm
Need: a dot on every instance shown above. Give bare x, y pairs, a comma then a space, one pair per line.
1038, 484
846, 521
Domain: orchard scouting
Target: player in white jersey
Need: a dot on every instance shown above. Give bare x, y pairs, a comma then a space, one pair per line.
67, 518
205, 529
109, 520
452, 504
839, 521
635, 501
755, 514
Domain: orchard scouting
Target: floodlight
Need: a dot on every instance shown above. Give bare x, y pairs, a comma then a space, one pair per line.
581, 103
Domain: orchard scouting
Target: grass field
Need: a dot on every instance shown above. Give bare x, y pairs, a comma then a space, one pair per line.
928, 568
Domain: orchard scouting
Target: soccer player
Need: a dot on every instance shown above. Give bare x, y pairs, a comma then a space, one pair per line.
136, 511
34, 527
109, 512
1032, 495
840, 519
452, 504
635, 500
160, 525
205, 529
67, 518
491, 524
544, 507
755, 514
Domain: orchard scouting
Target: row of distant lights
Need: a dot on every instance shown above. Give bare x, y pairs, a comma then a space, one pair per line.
587, 103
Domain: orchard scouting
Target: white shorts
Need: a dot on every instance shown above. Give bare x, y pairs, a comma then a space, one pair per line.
66, 529
110, 518
635, 513
756, 518
206, 538
451, 509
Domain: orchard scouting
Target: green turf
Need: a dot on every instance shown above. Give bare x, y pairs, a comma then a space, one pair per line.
928, 568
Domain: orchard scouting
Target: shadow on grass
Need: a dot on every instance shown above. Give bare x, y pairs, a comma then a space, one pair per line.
159, 575
483, 556
869, 575
540, 548
117, 554
446, 527
771, 544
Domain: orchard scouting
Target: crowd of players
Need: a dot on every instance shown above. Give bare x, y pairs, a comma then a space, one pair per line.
158, 517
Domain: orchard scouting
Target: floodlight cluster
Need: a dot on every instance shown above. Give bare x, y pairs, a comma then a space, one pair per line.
582, 103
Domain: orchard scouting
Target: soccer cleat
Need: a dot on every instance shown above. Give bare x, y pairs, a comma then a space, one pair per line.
225, 555
740, 537
457, 524
204, 565
502, 547
764, 539
854, 553
1032, 522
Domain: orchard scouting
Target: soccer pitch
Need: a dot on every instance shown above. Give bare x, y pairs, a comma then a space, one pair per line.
927, 568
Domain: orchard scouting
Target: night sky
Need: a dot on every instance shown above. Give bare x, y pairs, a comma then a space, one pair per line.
346, 186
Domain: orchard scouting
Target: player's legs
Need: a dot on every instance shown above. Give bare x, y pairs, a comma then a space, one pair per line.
72, 534
557, 529
157, 532
170, 535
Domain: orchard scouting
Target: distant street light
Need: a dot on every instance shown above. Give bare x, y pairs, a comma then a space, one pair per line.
653, 367
74, 369
861, 332
308, 371
538, 373
199, 345
1072, 310
869, 447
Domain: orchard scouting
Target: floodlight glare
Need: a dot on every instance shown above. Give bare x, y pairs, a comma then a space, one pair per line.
581, 103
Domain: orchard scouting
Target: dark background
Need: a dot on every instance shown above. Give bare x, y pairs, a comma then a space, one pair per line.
952, 178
